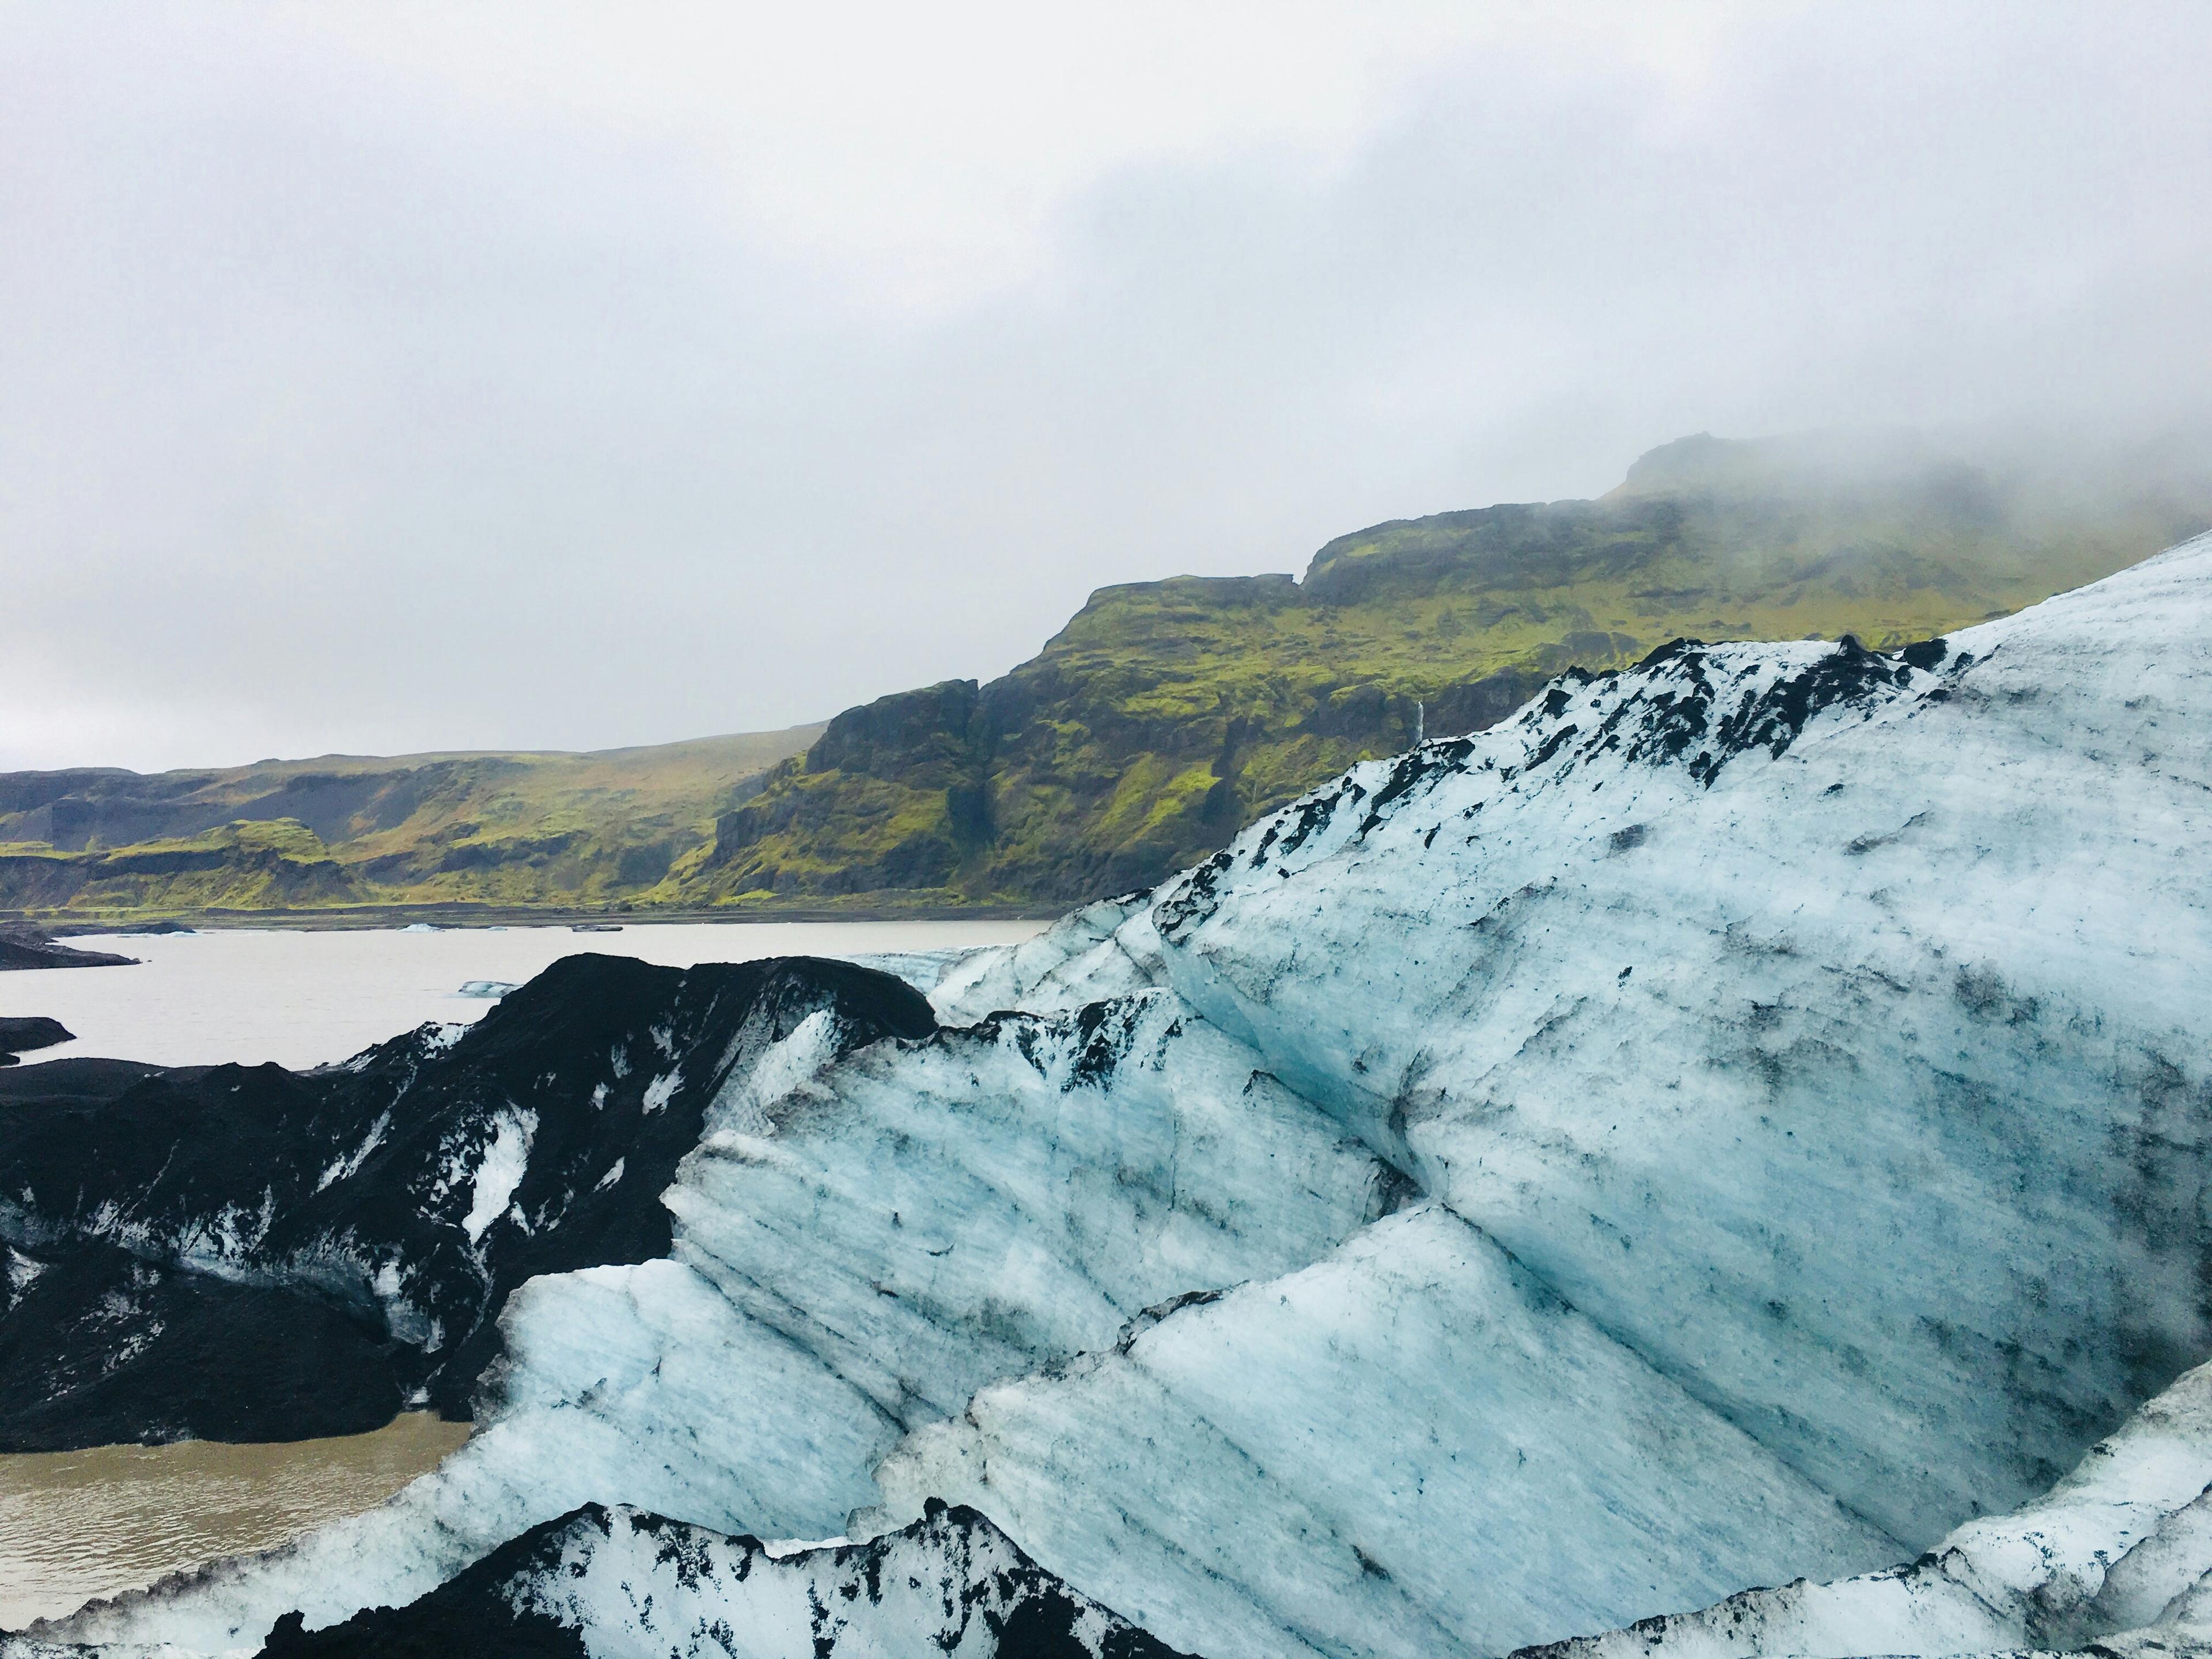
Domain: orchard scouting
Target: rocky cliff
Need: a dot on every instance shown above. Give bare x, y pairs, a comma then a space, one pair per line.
1166, 715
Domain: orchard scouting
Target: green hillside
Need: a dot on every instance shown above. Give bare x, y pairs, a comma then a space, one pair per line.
1167, 714
1162, 718
350, 832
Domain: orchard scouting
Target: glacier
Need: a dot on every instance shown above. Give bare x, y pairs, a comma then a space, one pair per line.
1714, 1164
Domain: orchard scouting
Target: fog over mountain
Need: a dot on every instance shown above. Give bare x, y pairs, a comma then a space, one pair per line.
386, 378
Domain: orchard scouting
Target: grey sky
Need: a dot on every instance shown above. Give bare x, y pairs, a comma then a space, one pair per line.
381, 378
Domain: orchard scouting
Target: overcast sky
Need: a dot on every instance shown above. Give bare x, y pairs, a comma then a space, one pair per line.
380, 378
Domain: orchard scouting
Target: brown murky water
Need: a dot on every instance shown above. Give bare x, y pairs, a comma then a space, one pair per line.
74, 1525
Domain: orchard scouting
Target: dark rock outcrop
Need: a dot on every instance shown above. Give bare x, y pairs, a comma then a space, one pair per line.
335, 1242
19, 1035
950, 1583
32, 947
98, 1346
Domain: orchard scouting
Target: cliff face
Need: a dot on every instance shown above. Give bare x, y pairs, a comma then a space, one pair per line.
892, 796
1167, 714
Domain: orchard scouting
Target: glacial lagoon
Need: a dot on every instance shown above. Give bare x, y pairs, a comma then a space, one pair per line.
304, 998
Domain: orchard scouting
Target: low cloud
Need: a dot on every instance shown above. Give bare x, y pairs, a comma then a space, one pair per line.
391, 379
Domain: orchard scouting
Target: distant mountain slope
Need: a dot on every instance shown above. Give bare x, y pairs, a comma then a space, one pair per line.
1167, 714
1162, 719
346, 829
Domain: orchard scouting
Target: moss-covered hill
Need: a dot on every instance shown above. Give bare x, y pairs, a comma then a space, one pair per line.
349, 833
1162, 718
1167, 714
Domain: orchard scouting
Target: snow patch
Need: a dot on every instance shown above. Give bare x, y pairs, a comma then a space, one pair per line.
21, 1273
662, 1089
506, 1160
345, 1167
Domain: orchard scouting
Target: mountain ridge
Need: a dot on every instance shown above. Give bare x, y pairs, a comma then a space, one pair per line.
339, 833
1160, 718
1166, 714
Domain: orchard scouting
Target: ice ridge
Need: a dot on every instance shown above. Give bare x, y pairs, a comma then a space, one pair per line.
1737, 1123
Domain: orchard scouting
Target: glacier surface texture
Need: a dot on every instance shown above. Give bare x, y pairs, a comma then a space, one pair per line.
1715, 1164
